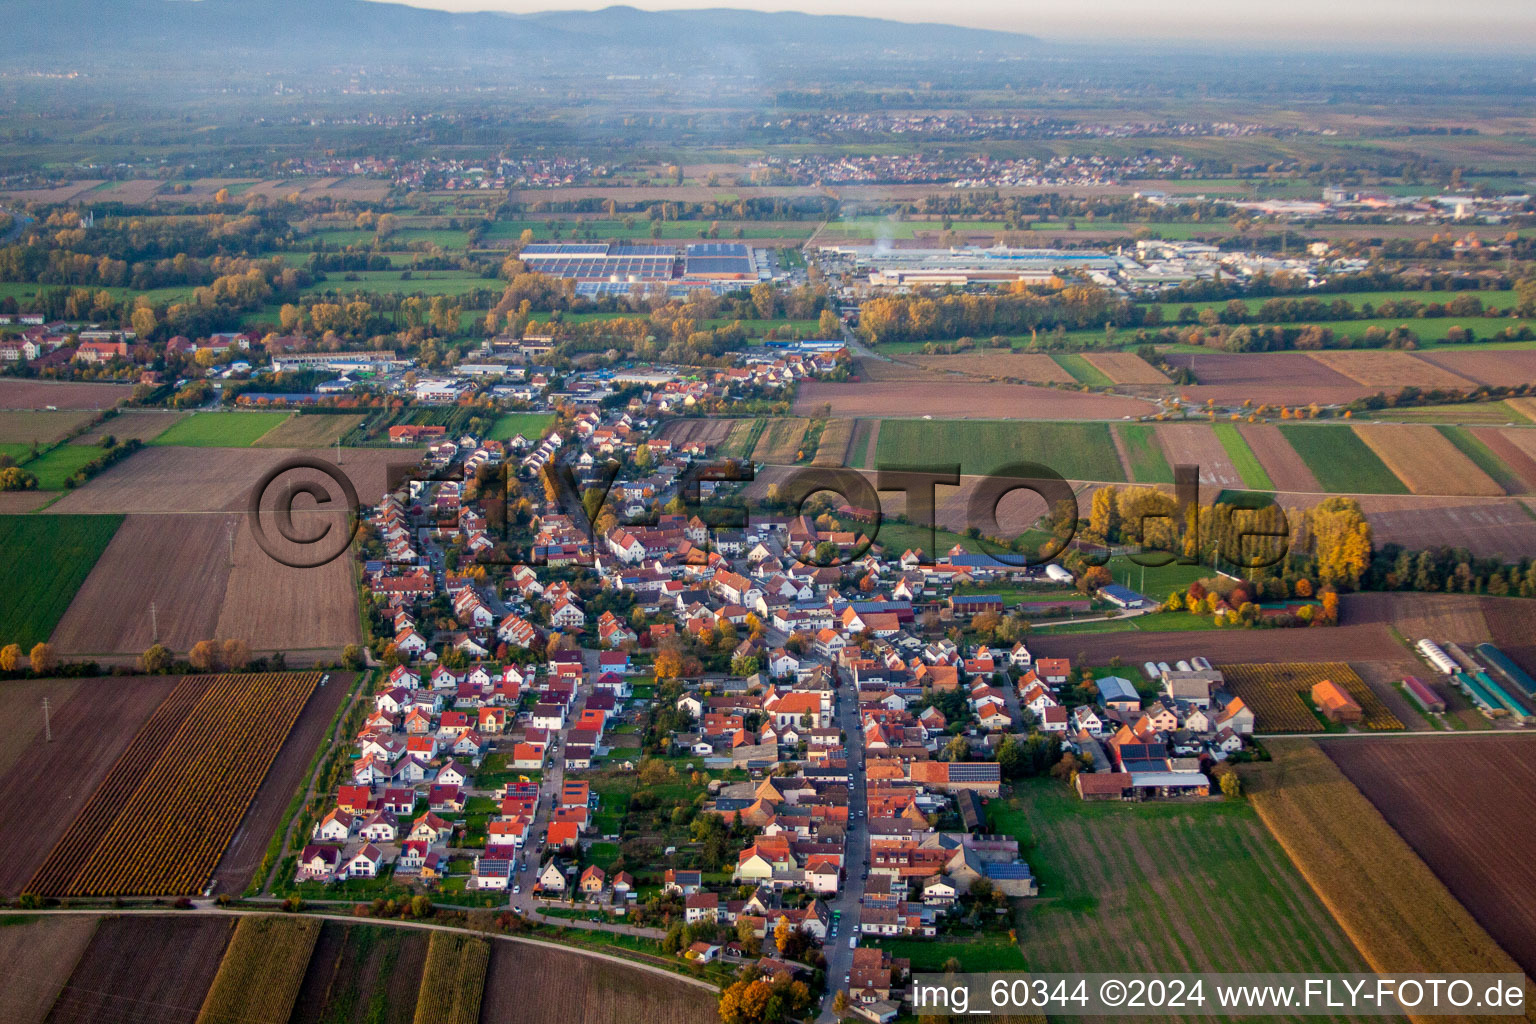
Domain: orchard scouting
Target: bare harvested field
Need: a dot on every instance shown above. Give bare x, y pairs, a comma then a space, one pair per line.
362, 974
1487, 366
132, 424
832, 448
529, 984
93, 722
1485, 528
1511, 454
957, 400
779, 443
1196, 444
1337, 643
40, 427
1286, 469
178, 564
314, 431
284, 778
706, 430
16, 393
190, 479
1033, 367
1295, 371
1464, 805
1524, 406
181, 566
1272, 394
1389, 368
58, 194
16, 502
1125, 368
136, 191
1523, 438
1439, 617
1425, 459
142, 969
644, 193
39, 955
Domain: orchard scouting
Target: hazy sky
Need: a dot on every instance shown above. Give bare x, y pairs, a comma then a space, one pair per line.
1421, 23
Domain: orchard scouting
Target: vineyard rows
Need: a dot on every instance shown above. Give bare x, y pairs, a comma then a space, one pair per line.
262, 970
1279, 695
164, 815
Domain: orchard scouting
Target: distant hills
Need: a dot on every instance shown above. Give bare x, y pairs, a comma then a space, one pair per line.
362, 32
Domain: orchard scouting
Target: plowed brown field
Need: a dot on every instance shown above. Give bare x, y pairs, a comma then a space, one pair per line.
1465, 805
38, 958
40, 394
1033, 367
1513, 456
952, 399
1196, 444
541, 985
1425, 459
144, 969
1125, 368
1287, 470
1389, 368
1487, 366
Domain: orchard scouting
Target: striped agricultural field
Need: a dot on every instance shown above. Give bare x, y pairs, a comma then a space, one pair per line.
1426, 460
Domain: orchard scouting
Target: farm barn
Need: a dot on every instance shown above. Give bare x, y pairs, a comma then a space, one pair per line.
1422, 695
1334, 703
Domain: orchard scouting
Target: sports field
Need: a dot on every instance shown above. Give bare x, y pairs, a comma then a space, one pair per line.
531, 425
1342, 463
221, 429
48, 557
1078, 451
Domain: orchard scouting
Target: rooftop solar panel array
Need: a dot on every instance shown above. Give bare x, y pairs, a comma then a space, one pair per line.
565, 249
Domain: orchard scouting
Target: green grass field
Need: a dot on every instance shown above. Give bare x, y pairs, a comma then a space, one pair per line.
1483, 456
389, 282
1488, 413
1082, 370
1247, 463
221, 429
1490, 300
976, 953
1341, 461
1078, 451
1162, 886
50, 557
1148, 463
57, 465
531, 425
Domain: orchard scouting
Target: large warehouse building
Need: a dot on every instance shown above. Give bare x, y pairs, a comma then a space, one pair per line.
606, 268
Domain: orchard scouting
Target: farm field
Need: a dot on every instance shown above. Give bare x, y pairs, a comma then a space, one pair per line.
262, 970
391, 282
1243, 458
1339, 643
274, 607
1280, 695
535, 983
1484, 526
1512, 623
221, 429
1474, 447
13, 503
1125, 368
1488, 366
39, 954
1497, 413
1524, 406
54, 467
18, 393
1142, 454
178, 479
1082, 370
1343, 846
243, 856
312, 431
1388, 368
1520, 462
779, 443
361, 974
1078, 451
132, 424
41, 428
1195, 444
453, 979
704, 430
91, 728
1125, 896
957, 399
160, 821
832, 447
532, 425
741, 440
1456, 802
1425, 459
51, 557
998, 364
1341, 462
133, 963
